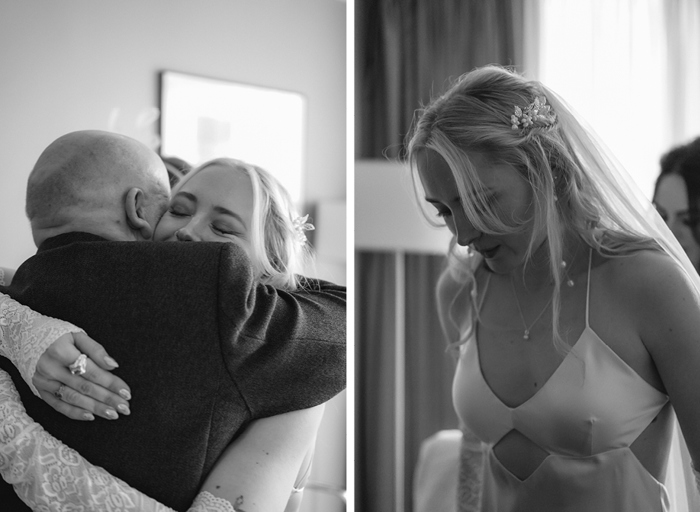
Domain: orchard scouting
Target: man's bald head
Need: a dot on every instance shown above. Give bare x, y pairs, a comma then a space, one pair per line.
82, 180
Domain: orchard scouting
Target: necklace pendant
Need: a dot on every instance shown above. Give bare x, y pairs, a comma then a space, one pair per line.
526, 336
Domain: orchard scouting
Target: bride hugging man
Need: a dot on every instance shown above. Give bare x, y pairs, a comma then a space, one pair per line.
228, 352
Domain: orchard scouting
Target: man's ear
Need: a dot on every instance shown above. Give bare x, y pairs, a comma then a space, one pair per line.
135, 209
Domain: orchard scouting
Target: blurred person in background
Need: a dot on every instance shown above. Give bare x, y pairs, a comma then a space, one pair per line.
677, 196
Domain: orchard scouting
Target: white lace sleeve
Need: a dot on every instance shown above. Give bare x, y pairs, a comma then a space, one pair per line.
471, 473
26, 334
48, 475
206, 502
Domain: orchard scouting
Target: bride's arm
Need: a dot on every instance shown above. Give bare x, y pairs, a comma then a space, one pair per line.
258, 471
255, 472
653, 284
42, 348
471, 472
454, 296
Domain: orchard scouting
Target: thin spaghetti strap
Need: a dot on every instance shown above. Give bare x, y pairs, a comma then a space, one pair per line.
588, 285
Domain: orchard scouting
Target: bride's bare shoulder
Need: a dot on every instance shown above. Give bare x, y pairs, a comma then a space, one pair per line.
644, 275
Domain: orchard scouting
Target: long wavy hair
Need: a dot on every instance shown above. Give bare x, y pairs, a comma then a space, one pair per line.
560, 160
279, 251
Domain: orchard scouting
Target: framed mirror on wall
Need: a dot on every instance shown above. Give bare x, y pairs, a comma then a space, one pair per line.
204, 118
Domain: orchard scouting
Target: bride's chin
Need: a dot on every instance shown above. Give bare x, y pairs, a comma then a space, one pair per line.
504, 264
499, 267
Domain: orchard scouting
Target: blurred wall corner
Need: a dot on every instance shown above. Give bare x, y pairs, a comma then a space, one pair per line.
329, 239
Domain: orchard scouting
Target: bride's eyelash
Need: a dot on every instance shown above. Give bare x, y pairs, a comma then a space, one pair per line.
443, 213
225, 231
177, 212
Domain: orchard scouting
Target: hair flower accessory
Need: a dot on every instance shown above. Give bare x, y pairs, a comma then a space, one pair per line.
537, 112
300, 225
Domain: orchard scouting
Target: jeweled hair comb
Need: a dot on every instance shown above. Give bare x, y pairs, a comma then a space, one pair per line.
301, 225
537, 113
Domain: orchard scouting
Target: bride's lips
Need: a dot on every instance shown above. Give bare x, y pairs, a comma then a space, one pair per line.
489, 253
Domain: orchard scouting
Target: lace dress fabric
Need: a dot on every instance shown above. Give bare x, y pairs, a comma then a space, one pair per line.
471, 473
48, 475
26, 334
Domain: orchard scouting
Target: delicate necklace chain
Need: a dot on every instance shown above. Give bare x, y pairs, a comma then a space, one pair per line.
526, 334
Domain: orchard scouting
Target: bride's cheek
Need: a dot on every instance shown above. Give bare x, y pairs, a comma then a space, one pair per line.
164, 231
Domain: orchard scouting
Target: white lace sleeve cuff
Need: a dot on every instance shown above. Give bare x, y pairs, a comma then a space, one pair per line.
206, 502
26, 334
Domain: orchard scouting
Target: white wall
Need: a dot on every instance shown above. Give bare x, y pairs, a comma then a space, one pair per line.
386, 214
67, 65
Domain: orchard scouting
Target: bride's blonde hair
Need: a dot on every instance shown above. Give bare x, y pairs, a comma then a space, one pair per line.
556, 155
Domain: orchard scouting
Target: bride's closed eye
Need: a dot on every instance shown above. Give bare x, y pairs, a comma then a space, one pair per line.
178, 211
225, 230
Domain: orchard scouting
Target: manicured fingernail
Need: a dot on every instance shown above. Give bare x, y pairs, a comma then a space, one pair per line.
125, 394
124, 409
111, 362
112, 414
88, 416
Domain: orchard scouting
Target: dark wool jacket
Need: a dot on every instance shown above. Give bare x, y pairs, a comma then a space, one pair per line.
204, 348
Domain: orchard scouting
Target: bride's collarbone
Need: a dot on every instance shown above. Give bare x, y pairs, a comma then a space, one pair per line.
518, 367
515, 368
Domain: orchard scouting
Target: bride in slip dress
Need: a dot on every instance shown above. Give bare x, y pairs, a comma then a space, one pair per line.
573, 311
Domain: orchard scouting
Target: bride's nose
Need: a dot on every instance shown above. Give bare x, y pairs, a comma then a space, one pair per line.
184, 235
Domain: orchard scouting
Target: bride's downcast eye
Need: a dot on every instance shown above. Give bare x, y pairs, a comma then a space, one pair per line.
443, 213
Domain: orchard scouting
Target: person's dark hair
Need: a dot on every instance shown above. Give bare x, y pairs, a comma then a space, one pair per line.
177, 168
684, 160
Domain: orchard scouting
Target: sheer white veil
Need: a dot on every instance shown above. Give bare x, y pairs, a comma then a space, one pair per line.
632, 210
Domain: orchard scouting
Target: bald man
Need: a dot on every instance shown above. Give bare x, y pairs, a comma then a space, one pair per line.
203, 346
97, 182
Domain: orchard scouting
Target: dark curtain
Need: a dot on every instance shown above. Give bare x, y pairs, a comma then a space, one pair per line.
407, 51
375, 335
429, 367
428, 374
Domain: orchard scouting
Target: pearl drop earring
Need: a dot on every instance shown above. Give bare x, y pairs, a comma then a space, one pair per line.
569, 281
